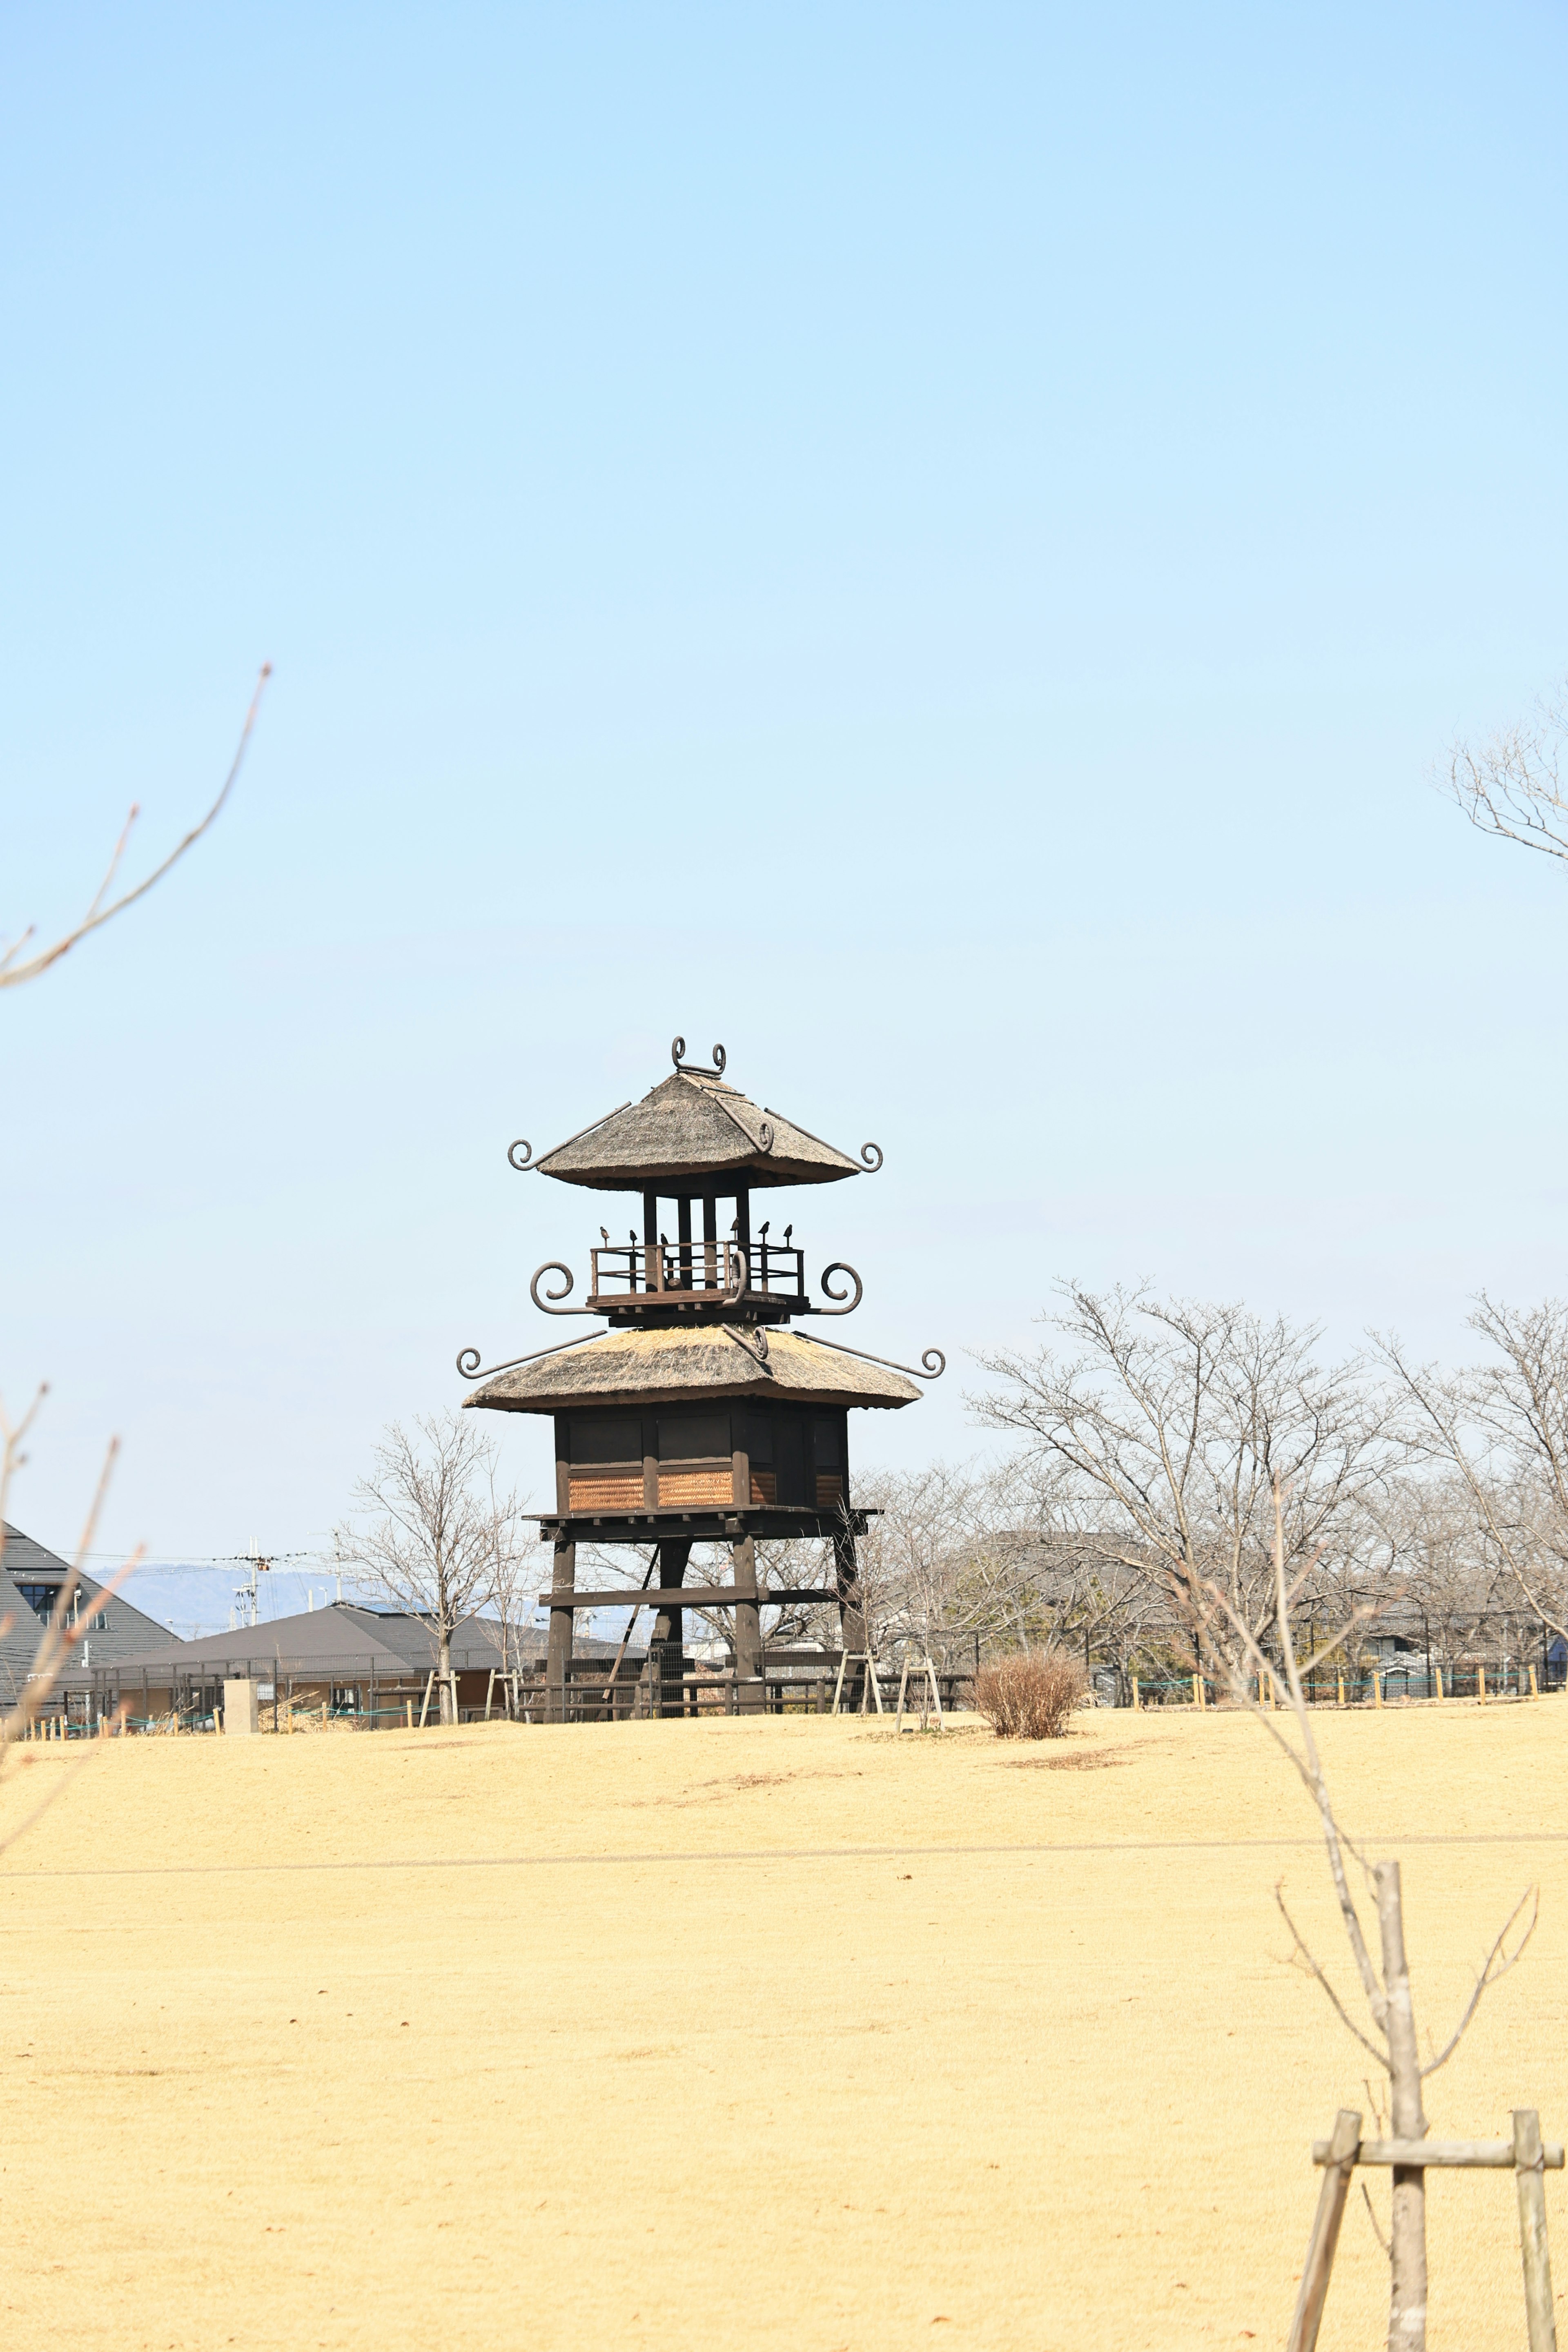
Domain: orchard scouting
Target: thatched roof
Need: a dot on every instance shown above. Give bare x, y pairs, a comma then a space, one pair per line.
690, 1134
629, 1366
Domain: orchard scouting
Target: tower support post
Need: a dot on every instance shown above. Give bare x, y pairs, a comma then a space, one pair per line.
666, 1644
750, 1692
558, 1656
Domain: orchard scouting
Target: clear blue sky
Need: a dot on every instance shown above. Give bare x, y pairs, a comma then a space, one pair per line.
937, 546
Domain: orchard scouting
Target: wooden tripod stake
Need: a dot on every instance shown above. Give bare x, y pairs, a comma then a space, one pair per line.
924, 1673
1524, 2153
867, 1658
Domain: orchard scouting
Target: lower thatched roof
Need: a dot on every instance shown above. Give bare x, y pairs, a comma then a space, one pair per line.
624, 1367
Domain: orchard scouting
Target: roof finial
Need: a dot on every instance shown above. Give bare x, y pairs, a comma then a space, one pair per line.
677, 1055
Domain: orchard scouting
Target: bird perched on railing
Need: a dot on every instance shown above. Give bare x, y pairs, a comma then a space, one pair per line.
603, 1235
788, 1229
763, 1234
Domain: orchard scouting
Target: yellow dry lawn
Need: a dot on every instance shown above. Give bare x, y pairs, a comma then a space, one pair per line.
779, 2032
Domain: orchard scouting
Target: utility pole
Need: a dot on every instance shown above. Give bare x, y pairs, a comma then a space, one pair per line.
246, 1594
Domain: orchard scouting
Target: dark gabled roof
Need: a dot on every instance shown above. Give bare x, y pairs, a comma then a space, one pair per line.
343, 1641
121, 1631
344, 1636
688, 1363
694, 1133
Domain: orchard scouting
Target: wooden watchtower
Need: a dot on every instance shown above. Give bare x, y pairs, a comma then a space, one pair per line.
697, 1414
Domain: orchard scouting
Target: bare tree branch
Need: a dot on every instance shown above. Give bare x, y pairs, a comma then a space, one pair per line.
1511, 787
1498, 1963
12, 973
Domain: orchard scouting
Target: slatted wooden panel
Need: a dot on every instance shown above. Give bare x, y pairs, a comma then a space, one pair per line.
763, 1487
609, 1487
829, 1490
688, 1489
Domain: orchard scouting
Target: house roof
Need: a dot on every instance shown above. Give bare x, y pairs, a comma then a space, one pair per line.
694, 1133
687, 1362
121, 1630
344, 1636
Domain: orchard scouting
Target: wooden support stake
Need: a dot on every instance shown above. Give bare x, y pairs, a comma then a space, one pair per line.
1481, 1684
925, 1673
1376, 1688
1197, 1691
1325, 2237
408, 1711
1534, 1687
1137, 1702
1339, 1678
1440, 1673
1530, 2181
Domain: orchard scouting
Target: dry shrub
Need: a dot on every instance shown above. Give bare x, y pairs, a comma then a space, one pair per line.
1031, 1696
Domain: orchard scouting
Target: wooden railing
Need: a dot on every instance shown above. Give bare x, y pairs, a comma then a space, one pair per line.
696, 1268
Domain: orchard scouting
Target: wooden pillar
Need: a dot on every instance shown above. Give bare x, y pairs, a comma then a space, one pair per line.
739, 1457
558, 1660
709, 1243
651, 1256
749, 1688
683, 1235
665, 1660
563, 1464
650, 1462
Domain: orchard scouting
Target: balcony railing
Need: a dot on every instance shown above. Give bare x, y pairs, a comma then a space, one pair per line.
697, 1269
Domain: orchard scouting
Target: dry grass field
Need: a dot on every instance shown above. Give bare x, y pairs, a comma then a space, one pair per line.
787, 2032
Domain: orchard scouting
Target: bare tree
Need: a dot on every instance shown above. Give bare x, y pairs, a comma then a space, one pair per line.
1171, 1424
1512, 787
1230, 1643
435, 1531
1502, 1429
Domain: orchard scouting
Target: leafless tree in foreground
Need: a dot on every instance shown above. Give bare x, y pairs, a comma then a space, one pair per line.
104, 908
60, 1637
436, 1533
1502, 1428
1230, 1641
1513, 786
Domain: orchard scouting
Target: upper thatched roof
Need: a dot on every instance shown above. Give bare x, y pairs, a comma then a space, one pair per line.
692, 1132
631, 1367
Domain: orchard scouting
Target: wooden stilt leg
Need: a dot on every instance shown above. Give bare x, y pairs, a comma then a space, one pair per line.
1320, 2261
558, 1657
750, 1690
1530, 2179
